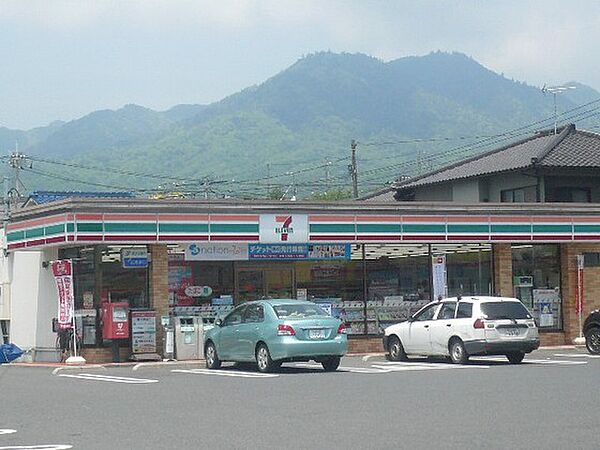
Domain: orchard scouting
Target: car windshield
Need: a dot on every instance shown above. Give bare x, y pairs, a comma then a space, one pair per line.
298, 311
504, 310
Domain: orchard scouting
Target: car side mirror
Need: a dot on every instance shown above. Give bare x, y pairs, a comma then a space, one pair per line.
218, 322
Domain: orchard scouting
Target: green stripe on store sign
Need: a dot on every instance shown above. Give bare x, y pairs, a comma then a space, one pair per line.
377, 228
130, 227
70, 227
468, 228
34, 232
552, 229
587, 228
423, 228
233, 228
332, 228
55, 229
15, 236
183, 227
511, 229
94, 227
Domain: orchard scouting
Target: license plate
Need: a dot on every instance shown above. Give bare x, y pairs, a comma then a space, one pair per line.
511, 331
316, 334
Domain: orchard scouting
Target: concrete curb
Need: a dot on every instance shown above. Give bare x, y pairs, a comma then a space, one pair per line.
83, 367
167, 364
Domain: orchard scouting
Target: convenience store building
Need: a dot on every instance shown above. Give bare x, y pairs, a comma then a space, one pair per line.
370, 263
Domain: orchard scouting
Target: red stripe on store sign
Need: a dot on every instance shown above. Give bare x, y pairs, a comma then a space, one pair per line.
551, 219
587, 237
126, 237
328, 218
234, 218
89, 237
386, 219
510, 219
424, 219
430, 237
465, 237
130, 217
183, 217
389, 237
36, 242
19, 245
332, 237
514, 237
467, 219
552, 237
89, 217
55, 239
183, 237
235, 238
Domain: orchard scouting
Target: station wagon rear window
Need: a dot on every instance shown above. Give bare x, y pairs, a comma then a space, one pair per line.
298, 311
504, 310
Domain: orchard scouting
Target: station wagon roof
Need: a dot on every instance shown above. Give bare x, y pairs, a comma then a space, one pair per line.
481, 299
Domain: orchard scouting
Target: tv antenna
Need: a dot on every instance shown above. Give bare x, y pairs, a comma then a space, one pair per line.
555, 90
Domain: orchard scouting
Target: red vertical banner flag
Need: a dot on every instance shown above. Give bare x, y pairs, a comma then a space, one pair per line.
62, 270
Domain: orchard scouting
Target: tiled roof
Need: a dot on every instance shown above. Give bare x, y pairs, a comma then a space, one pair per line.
570, 148
41, 197
385, 195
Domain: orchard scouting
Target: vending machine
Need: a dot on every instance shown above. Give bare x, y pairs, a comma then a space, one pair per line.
115, 320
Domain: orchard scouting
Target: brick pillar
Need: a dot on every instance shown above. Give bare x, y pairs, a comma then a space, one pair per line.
503, 283
591, 286
159, 288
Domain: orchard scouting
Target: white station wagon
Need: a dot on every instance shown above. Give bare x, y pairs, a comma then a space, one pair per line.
463, 327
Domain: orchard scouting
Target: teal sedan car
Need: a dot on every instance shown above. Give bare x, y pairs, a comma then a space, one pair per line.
271, 332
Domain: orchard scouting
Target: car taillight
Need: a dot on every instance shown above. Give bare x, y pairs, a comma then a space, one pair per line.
285, 330
342, 329
478, 324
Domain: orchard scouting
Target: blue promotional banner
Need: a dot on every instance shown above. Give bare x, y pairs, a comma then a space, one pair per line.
307, 252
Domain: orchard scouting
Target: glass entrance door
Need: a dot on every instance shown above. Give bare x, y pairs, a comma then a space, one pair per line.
264, 282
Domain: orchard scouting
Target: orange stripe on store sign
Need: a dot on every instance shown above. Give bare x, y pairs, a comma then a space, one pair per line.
425, 219
551, 219
369, 219
130, 217
467, 219
183, 217
586, 219
97, 217
35, 222
327, 218
510, 219
237, 218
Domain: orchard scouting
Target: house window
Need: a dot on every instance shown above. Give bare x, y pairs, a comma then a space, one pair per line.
512, 196
571, 195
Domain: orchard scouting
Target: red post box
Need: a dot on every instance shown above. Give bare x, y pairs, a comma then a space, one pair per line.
115, 320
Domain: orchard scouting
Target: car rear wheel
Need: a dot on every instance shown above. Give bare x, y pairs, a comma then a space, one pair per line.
458, 354
211, 356
592, 340
331, 364
263, 359
396, 350
515, 357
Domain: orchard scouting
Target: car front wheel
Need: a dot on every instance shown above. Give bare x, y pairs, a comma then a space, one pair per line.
212, 359
396, 350
331, 364
515, 357
458, 354
592, 340
263, 359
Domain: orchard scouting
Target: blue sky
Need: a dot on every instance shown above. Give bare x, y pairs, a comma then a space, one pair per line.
61, 59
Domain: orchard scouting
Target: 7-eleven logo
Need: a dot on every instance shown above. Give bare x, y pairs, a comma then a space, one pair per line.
284, 228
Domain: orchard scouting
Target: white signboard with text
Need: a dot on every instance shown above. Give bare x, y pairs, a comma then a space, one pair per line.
220, 251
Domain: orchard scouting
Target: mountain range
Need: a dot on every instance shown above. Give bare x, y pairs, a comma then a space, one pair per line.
293, 131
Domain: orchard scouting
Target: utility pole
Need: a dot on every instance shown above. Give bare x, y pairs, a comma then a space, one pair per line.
16, 162
354, 170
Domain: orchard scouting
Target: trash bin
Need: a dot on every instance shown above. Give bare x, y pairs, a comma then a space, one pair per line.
186, 338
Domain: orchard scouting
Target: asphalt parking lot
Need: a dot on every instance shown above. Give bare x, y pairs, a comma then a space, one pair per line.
550, 401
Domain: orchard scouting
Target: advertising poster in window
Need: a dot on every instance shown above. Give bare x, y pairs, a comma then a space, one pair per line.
439, 277
546, 307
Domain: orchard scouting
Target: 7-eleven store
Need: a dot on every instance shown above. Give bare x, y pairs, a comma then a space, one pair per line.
370, 264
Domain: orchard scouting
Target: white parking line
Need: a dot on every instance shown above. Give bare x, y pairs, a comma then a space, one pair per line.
39, 447
535, 361
7, 431
576, 355
226, 373
367, 370
402, 367
113, 379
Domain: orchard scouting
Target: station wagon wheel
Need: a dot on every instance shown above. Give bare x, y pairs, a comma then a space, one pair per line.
396, 350
515, 357
592, 340
458, 354
212, 359
263, 359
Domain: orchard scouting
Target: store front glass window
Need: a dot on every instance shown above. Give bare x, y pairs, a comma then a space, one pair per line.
123, 284
468, 268
536, 282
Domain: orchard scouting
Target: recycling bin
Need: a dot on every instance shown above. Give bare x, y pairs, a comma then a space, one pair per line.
187, 344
